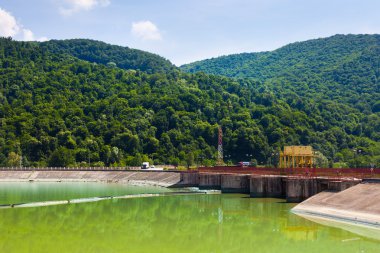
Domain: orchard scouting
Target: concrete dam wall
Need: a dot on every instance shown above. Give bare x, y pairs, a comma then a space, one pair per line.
268, 186
159, 178
235, 183
294, 189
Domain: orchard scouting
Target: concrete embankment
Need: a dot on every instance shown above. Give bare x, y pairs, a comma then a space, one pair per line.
158, 178
267, 186
294, 189
359, 205
210, 181
235, 183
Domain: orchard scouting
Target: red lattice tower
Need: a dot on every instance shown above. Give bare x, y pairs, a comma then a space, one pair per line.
220, 147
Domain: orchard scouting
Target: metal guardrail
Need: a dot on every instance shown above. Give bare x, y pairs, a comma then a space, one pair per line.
66, 168
130, 168
299, 172
308, 172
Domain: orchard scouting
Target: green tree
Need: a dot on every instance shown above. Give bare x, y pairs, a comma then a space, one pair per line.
189, 159
61, 157
13, 160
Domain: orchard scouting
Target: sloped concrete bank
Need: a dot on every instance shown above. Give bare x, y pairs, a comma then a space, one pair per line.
157, 178
358, 205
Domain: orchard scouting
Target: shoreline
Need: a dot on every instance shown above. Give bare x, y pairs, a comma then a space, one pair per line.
366, 230
352, 218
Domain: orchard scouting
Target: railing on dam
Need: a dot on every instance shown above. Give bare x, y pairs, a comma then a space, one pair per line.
63, 168
304, 172
297, 172
137, 169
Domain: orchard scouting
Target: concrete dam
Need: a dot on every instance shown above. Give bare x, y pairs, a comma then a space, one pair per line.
349, 203
292, 188
346, 199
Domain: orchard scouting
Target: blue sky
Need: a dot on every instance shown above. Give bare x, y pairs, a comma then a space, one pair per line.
186, 31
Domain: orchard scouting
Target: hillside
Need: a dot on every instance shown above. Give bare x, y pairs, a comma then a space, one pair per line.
103, 53
58, 110
315, 56
344, 68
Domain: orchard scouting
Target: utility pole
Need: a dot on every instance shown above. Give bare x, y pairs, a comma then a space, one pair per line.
89, 158
220, 147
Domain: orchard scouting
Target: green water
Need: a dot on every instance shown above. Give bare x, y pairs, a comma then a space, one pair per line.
196, 223
13, 193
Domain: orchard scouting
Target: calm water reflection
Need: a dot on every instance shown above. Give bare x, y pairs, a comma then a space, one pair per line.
198, 223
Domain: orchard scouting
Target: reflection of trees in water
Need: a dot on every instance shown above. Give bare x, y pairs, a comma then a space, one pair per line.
168, 224
21, 192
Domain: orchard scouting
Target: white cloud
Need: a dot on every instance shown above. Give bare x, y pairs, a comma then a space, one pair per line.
27, 35
8, 24
70, 7
9, 27
146, 30
42, 39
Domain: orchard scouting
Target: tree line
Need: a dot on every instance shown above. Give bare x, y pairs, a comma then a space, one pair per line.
59, 110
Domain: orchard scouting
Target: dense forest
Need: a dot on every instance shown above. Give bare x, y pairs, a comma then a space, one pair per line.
341, 68
83, 102
111, 55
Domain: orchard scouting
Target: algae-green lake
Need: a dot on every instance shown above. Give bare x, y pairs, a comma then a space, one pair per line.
193, 223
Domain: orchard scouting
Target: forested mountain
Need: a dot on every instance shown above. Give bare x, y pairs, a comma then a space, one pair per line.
57, 109
342, 68
106, 54
313, 56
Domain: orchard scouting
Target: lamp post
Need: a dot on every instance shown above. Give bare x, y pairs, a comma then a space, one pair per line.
228, 157
357, 153
152, 158
201, 159
272, 158
249, 158
89, 158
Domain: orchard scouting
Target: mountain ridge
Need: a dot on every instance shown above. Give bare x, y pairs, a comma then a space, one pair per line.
59, 110
352, 41
104, 53
327, 68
